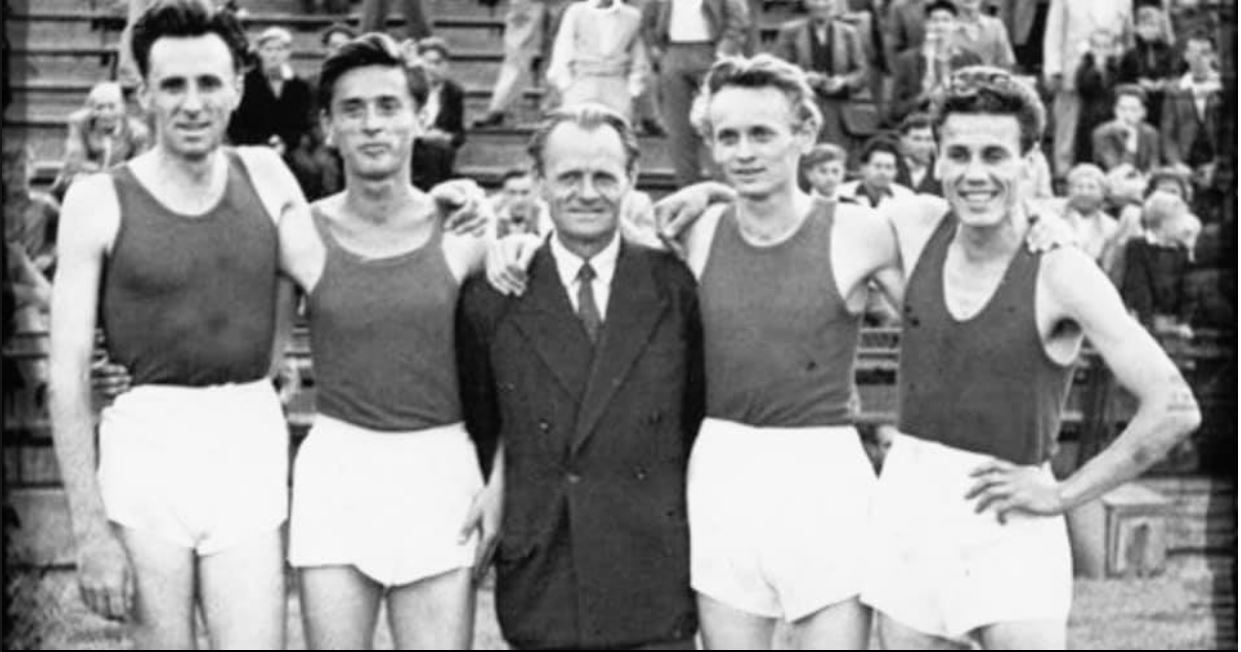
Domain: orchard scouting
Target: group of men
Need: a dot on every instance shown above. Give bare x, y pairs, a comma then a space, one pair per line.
653, 448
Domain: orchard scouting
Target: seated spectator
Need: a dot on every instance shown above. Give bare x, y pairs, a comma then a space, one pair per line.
517, 207
1152, 63
1126, 190
443, 114
983, 35
1155, 284
100, 135
1127, 139
1193, 123
1095, 81
916, 167
1083, 210
336, 35
877, 185
832, 54
599, 55
277, 106
918, 73
30, 221
824, 169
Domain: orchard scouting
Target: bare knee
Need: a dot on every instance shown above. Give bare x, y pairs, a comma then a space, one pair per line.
894, 635
1024, 635
844, 626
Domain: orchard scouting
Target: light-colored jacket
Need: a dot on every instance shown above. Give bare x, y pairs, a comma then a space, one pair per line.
1069, 26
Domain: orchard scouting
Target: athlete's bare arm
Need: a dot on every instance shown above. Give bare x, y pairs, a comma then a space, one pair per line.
90, 220
1074, 298
282, 197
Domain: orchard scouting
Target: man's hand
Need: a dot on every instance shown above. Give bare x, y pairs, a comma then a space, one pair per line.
105, 575
508, 259
1007, 488
108, 380
675, 213
464, 205
485, 515
1048, 232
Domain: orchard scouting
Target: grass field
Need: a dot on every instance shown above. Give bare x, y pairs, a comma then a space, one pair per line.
1172, 612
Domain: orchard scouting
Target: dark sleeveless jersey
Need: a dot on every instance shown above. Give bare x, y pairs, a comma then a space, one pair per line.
985, 384
191, 300
382, 335
780, 343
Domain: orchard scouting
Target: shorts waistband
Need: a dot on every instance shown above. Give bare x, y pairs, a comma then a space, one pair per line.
711, 425
326, 424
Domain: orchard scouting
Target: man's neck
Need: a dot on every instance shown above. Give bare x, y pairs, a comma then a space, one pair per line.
585, 248
983, 245
379, 201
772, 218
192, 172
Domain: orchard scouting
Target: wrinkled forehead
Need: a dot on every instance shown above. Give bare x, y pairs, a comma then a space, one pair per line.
574, 148
191, 57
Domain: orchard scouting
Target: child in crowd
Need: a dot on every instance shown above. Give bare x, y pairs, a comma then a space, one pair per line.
824, 169
1157, 266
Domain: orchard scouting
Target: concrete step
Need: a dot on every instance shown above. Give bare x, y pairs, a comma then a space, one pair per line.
434, 8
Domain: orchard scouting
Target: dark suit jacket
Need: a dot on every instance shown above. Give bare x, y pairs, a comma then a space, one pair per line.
728, 20
1109, 146
262, 115
451, 117
907, 73
844, 117
930, 183
595, 545
1181, 125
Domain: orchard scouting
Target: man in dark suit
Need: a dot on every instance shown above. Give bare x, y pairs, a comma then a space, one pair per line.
833, 54
587, 392
915, 169
1127, 138
918, 72
686, 37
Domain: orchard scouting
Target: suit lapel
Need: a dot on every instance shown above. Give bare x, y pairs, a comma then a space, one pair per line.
635, 307
546, 318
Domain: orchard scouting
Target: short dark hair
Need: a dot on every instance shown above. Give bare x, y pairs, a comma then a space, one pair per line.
981, 90
916, 120
823, 153
434, 44
880, 143
1173, 174
185, 18
514, 173
336, 28
1131, 90
588, 116
372, 49
1201, 34
941, 5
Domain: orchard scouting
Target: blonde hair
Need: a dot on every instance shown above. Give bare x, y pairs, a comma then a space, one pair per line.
760, 71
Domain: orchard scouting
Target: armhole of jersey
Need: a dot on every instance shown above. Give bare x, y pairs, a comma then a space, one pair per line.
702, 237
248, 166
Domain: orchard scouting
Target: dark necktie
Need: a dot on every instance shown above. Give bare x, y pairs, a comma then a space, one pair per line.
587, 309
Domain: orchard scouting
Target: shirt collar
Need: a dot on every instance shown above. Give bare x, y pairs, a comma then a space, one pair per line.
568, 263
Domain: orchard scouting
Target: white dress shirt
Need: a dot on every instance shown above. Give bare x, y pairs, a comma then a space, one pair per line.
604, 264
687, 23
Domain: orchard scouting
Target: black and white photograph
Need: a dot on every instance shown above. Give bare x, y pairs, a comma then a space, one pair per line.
619, 324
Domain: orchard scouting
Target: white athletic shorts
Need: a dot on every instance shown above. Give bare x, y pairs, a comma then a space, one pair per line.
390, 504
201, 467
942, 569
778, 516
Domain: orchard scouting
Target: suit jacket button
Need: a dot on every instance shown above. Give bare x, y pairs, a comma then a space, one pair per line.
573, 478
544, 426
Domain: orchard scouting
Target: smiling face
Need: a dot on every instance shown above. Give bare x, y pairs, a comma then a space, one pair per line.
981, 166
583, 180
826, 177
373, 121
191, 89
756, 140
